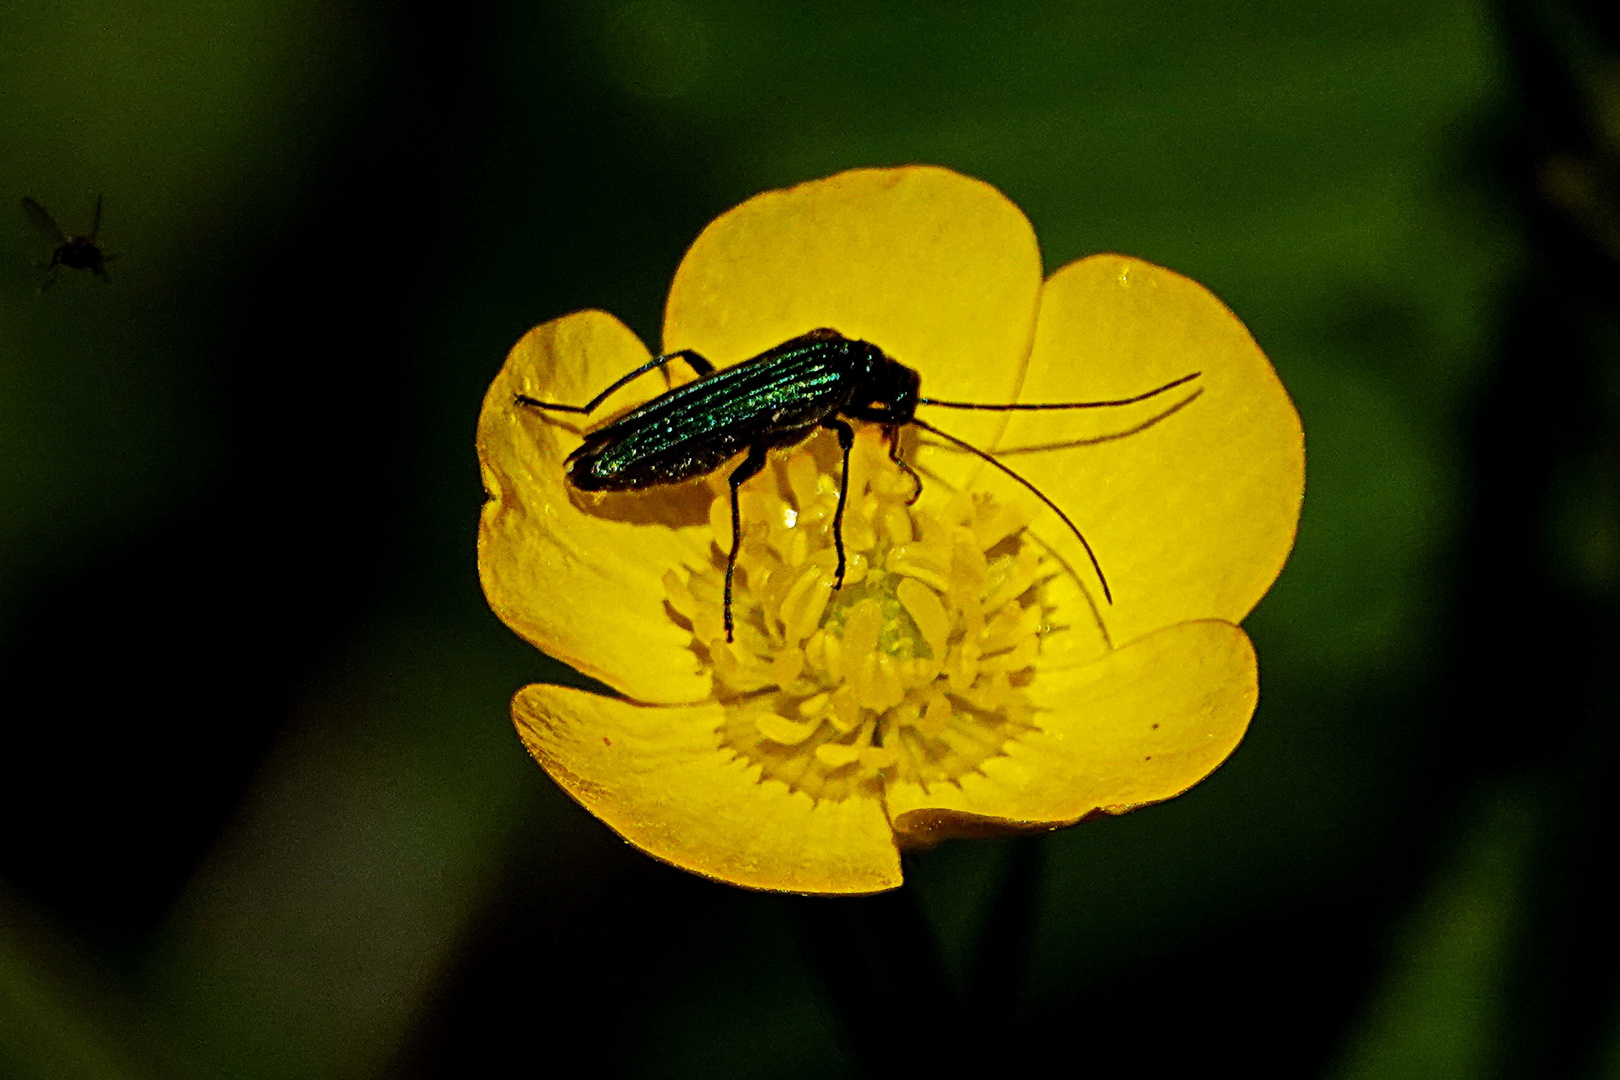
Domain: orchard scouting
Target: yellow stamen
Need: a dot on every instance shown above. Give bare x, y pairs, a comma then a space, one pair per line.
914, 668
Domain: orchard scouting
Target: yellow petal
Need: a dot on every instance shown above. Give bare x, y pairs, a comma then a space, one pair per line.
1190, 500
1143, 724
581, 577
940, 271
658, 776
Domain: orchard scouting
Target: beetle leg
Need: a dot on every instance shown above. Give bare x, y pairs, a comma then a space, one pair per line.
536, 403
693, 358
846, 440
752, 464
891, 432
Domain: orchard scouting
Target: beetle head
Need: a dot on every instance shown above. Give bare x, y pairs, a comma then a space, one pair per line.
888, 384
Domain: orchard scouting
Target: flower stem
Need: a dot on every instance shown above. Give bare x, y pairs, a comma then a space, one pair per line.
886, 978
884, 975
1001, 959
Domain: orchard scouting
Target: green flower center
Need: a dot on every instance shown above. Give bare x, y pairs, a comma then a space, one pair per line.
913, 670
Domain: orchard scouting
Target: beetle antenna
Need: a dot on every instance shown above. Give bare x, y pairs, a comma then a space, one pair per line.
1039, 494
1060, 404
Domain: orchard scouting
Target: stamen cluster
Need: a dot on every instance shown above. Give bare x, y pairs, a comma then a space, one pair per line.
915, 669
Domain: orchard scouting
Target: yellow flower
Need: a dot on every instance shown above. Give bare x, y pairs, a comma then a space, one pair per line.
969, 678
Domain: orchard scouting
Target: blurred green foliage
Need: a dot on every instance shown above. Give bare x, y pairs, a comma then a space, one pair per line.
331, 223
1442, 998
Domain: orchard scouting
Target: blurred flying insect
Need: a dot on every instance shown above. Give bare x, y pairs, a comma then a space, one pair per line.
73, 252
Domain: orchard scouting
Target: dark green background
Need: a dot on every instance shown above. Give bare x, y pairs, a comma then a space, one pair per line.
262, 813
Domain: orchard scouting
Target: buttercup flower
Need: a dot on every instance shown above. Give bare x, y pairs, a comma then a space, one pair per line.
969, 678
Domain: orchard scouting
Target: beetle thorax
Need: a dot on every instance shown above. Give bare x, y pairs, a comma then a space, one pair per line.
886, 383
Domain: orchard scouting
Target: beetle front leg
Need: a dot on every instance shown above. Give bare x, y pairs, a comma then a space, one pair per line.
891, 432
752, 464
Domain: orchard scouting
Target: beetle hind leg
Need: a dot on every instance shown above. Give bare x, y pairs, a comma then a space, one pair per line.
694, 359
549, 406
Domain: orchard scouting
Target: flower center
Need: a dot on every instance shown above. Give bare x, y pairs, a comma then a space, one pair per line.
913, 670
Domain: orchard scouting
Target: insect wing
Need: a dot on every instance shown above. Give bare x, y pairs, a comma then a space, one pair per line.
42, 221
777, 398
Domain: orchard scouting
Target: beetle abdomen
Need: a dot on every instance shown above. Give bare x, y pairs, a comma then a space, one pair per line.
696, 428
617, 467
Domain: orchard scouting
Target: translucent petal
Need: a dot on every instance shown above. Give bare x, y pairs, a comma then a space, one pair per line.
658, 776
1190, 500
1143, 724
940, 271
581, 577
